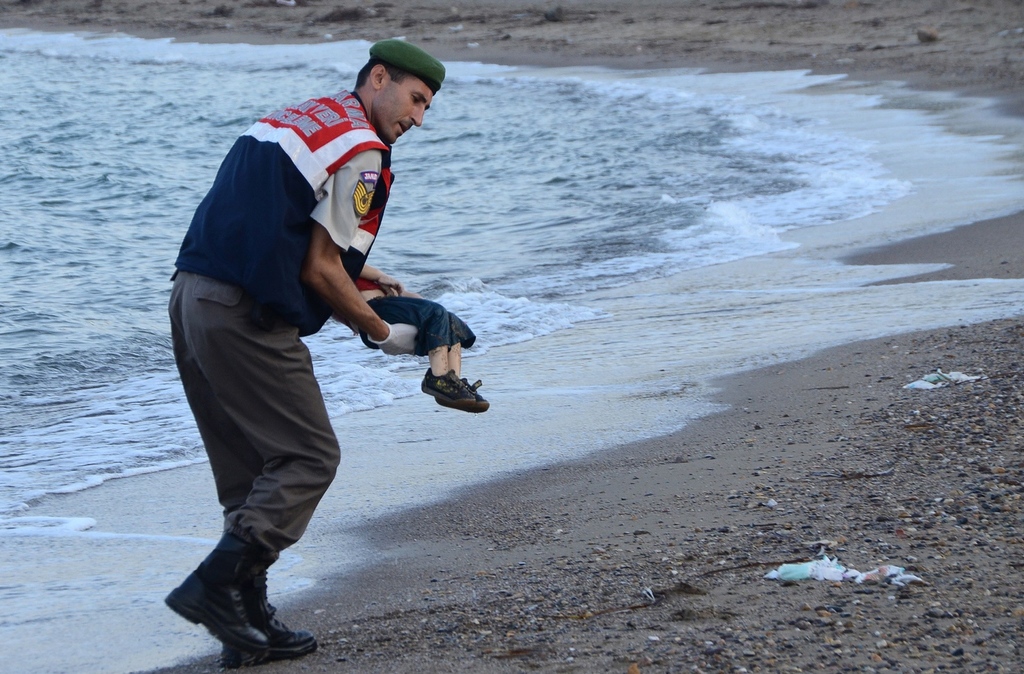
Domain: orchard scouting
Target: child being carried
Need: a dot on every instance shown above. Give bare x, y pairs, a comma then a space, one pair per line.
427, 329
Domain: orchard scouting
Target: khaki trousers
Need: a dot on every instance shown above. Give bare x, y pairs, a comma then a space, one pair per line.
259, 410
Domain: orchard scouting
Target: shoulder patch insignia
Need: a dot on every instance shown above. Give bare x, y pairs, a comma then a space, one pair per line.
363, 194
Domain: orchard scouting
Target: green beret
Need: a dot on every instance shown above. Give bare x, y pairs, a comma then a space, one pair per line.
411, 59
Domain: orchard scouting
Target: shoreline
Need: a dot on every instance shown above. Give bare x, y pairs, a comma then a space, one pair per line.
979, 251
546, 570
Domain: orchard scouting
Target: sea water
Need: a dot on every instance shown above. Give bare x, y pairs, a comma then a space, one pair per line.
614, 238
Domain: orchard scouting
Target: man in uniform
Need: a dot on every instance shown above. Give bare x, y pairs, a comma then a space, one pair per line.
297, 200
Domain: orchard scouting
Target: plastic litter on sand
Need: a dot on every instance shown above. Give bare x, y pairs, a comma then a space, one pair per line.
940, 378
829, 568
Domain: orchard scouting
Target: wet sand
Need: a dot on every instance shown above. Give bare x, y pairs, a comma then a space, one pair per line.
650, 557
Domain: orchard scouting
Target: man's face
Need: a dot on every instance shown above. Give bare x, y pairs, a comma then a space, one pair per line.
397, 106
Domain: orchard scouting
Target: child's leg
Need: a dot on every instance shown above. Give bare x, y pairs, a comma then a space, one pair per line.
439, 361
438, 330
455, 359
443, 359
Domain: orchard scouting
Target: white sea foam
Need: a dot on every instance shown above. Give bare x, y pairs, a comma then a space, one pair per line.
142, 424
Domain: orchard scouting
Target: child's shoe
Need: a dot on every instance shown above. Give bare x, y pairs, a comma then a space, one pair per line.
450, 391
473, 387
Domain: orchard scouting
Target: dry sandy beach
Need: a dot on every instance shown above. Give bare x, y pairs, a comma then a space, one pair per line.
650, 558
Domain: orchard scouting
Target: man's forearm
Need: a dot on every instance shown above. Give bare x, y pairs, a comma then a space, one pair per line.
346, 300
323, 272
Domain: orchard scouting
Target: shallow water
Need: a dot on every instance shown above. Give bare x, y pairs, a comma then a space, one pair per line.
615, 238
520, 192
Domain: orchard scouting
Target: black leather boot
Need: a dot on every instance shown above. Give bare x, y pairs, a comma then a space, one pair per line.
284, 644
211, 595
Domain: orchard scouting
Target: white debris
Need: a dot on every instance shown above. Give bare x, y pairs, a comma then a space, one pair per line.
829, 568
939, 378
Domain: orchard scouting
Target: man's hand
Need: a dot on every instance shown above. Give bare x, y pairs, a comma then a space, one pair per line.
391, 286
401, 339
